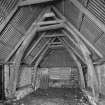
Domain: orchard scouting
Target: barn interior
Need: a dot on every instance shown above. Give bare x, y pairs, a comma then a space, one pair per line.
52, 52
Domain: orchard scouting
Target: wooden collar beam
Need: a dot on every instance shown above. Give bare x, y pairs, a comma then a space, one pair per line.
54, 35
30, 2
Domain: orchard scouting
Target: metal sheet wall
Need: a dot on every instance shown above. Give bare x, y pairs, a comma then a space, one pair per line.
97, 7
6, 6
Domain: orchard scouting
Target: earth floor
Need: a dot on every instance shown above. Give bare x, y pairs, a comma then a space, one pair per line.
54, 96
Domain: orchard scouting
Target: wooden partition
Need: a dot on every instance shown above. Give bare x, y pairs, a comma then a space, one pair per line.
59, 77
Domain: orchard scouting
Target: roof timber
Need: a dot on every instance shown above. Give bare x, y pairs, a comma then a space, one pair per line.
75, 32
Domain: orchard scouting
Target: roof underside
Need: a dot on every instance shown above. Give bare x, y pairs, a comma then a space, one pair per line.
17, 17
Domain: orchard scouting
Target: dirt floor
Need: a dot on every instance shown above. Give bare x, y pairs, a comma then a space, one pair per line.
54, 96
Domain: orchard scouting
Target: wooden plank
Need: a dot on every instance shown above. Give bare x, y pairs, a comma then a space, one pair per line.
77, 33
30, 2
77, 62
19, 54
89, 14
